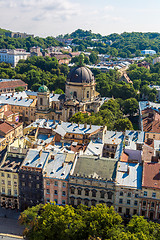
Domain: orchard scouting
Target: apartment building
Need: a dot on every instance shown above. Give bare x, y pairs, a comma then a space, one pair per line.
13, 56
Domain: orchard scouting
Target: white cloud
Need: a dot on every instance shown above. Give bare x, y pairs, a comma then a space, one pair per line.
40, 10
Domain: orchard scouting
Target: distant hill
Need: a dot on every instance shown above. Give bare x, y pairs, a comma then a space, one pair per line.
123, 45
3, 31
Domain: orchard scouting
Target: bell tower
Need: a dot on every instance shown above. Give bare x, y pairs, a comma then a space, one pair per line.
43, 103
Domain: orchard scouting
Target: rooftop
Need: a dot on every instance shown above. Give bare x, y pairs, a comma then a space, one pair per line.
94, 167
129, 174
12, 83
64, 127
15, 101
151, 175
132, 138
12, 163
36, 158
59, 165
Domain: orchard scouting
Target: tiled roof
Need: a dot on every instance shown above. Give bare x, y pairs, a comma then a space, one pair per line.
151, 175
5, 128
12, 84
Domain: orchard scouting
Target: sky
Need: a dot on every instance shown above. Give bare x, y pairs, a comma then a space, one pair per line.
53, 17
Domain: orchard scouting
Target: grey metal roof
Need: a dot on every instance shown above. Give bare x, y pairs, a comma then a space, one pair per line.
65, 127
91, 166
132, 138
15, 101
57, 167
129, 175
35, 159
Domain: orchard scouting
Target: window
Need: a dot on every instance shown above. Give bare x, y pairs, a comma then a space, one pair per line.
3, 182
2, 174
23, 176
37, 185
134, 211
15, 184
55, 192
55, 200
86, 192
135, 203
9, 183
120, 200
41, 101
121, 193
152, 204
63, 202
87, 94
153, 194
48, 200
9, 192
3, 190
48, 183
55, 183
109, 195
64, 184
48, 191
136, 195
144, 203
37, 177
127, 211
128, 202
15, 192
79, 191
129, 194
8, 175
145, 194
102, 194
15, 176
120, 209
72, 190
23, 184
94, 193
63, 193
74, 94
29, 184
78, 201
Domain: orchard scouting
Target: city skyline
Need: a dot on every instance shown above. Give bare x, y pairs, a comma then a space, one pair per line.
53, 17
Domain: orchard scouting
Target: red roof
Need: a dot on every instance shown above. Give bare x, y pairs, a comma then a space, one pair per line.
12, 84
151, 175
8, 113
5, 127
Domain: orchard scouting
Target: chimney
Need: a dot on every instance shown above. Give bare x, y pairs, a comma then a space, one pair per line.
40, 152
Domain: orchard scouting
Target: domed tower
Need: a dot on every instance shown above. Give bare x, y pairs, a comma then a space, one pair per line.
80, 92
43, 98
80, 83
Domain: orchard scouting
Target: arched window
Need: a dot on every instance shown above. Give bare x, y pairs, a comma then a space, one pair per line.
87, 94
70, 113
75, 94
41, 101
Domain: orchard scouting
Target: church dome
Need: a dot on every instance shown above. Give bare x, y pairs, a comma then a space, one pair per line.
43, 88
80, 74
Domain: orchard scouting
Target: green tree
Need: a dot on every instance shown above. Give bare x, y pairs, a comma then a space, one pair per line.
19, 89
123, 124
130, 106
